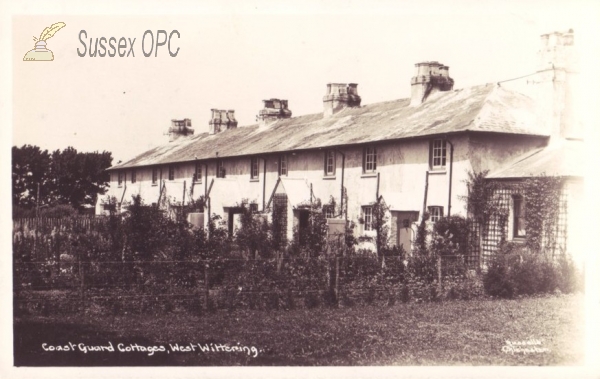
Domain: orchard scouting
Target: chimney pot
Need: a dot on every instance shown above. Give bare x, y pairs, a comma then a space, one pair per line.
180, 128
273, 110
430, 77
339, 96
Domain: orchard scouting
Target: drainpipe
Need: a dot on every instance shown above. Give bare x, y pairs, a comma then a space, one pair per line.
450, 177
207, 198
377, 193
205, 179
425, 195
264, 181
124, 190
342, 186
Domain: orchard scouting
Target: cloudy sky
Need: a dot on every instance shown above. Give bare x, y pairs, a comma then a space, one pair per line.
233, 56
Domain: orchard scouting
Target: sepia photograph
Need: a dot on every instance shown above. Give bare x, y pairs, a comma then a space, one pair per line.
360, 189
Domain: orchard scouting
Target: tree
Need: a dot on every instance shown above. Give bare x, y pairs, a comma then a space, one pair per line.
77, 178
30, 168
63, 177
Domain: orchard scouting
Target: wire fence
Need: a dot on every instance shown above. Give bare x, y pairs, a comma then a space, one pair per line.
119, 287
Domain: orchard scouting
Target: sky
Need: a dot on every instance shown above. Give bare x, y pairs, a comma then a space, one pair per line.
234, 57
234, 54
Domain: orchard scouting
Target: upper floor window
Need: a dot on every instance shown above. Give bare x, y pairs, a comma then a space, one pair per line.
154, 175
171, 173
518, 219
283, 168
198, 173
437, 154
435, 213
120, 178
370, 159
368, 218
220, 169
329, 163
253, 168
133, 176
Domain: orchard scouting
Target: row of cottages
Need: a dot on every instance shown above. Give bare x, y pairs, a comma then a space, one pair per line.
414, 153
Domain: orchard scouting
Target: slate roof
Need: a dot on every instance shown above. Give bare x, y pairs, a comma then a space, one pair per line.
565, 158
485, 108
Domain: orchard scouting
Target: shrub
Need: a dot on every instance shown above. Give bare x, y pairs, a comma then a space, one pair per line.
516, 271
451, 235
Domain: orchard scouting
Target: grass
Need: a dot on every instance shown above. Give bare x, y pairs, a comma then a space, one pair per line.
446, 333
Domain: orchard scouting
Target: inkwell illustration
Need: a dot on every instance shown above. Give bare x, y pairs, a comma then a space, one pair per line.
41, 53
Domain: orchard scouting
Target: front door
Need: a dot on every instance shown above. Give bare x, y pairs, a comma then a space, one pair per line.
406, 234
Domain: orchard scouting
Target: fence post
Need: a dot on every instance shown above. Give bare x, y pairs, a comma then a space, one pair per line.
337, 279
206, 286
439, 274
82, 282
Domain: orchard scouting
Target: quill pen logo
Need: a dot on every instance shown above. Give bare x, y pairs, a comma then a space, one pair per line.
41, 52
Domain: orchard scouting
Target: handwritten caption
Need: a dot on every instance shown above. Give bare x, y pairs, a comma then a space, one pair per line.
151, 350
531, 346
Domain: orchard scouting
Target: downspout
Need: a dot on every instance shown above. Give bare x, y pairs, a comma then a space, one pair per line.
205, 179
264, 182
162, 184
208, 200
124, 190
425, 195
450, 177
377, 193
342, 186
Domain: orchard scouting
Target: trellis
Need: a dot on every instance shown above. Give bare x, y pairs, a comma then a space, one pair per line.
496, 228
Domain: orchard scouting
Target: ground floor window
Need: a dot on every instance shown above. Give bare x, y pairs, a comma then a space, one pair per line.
518, 219
435, 213
368, 218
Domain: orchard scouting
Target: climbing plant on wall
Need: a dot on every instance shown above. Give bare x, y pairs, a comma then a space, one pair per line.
380, 224
542, 206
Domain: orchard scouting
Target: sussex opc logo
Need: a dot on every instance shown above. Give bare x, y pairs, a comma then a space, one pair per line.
41, 51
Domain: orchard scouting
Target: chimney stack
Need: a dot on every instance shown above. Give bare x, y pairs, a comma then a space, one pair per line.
221, 120
274, 109
430, 77
340, 96
557, 85
180, 128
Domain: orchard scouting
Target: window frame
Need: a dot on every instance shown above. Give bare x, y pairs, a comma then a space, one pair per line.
435, 217
220, 169
254, 168
133, 175
171, 172
283, 165
367, 215
253, 208
154, 175
367, 161
518, 217
198, 172
438, 153
120, 177
329, 211
329, 158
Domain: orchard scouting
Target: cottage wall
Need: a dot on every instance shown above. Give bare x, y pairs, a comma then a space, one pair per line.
402, 170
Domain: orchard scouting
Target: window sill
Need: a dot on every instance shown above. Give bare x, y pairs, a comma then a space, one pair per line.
197, 182
154, 184
439, 171
518, 239
254, 180
369, 175
330, 177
